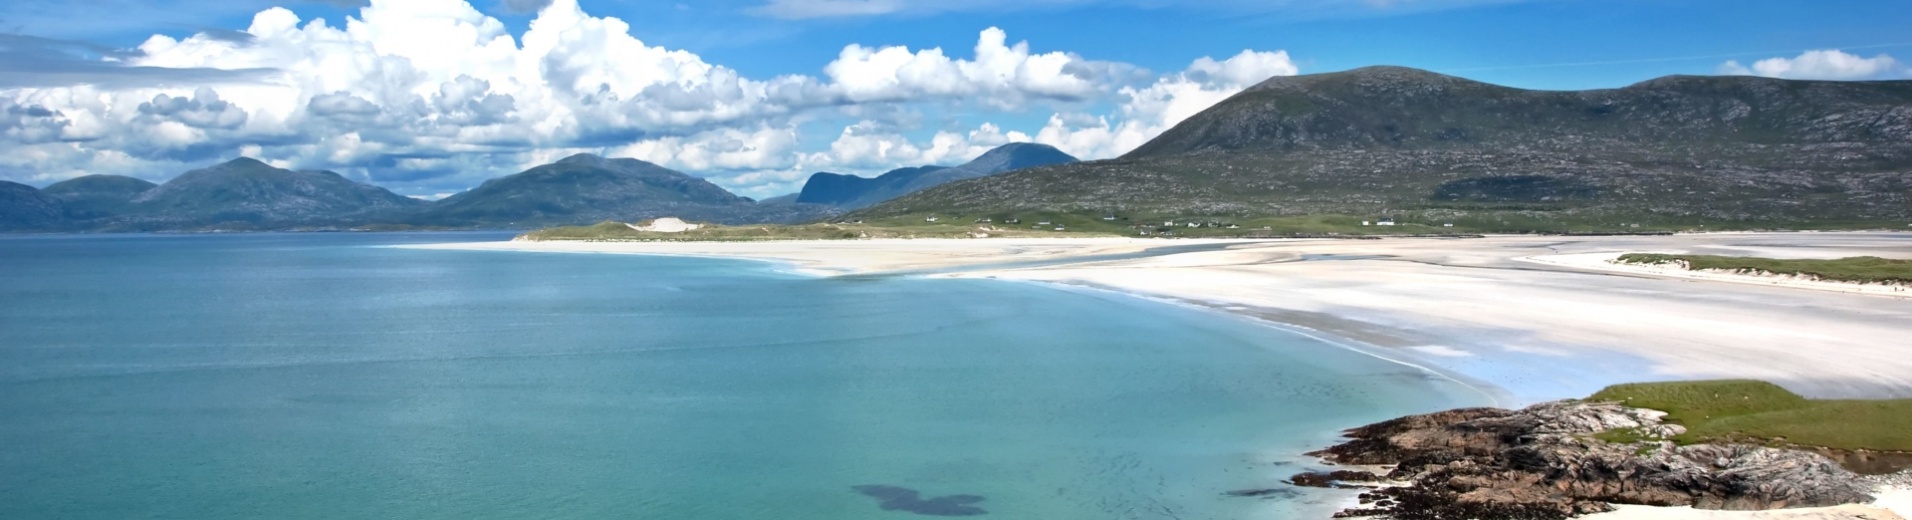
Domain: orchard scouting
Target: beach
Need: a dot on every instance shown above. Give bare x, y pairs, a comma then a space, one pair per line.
1524, 319
1528, 318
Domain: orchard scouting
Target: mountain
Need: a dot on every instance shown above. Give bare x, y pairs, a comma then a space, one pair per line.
1413, 144
851, 192
586, 189
1006, 158
23, 208
95, 196
247, 194
789, 198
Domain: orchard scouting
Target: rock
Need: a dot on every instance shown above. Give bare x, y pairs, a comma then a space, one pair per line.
1333, 479
1543, 463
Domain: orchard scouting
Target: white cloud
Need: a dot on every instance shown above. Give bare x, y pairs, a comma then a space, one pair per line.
1006, 75
1151, 110
429, 96
1824, 65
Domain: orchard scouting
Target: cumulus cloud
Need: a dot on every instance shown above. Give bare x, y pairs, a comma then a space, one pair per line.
1822, 64
429, 96
1008, 74
1148, 111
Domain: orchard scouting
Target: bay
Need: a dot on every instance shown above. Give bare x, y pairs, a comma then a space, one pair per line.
295, 376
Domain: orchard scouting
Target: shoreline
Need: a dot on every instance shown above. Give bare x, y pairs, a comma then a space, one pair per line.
1580, 329
1442, 304
1494, 395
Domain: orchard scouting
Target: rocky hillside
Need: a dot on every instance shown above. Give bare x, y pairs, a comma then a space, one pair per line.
853, 192
1545, 462
97, 196
586, 189
1421, 146
24, 208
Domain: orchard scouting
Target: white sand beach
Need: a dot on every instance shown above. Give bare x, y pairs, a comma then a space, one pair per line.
1532, 317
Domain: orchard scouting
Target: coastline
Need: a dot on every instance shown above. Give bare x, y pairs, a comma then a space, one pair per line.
1510, 323
1482, 309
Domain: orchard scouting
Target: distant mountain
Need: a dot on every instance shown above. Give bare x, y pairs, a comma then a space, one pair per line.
1415, 144
852, 192
97, 196
247, 194
790, 198
24, 208
585, 189
1006, 158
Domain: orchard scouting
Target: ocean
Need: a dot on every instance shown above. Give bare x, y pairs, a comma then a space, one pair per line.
330, 376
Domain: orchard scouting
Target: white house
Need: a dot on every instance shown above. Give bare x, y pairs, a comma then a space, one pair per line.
1386, 222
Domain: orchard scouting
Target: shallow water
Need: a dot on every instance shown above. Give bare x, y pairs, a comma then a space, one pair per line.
320, 376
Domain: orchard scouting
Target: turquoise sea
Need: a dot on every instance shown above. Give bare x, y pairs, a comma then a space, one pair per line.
326, 376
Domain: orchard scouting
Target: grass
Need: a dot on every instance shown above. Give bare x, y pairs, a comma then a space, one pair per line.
1861, 269
1757, 411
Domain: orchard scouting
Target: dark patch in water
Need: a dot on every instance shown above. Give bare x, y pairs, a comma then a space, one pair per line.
1266, 494
892, 498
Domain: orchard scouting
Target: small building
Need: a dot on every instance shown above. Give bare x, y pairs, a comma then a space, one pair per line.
1109, 217
1233, 226
1169, 223
1366, 223
1386, 222
1013, 221
1194, 224
1449, 224
1060, 228
931, 219
1142, 232
1044, 223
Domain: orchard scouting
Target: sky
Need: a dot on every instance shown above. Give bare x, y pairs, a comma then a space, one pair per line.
431, 97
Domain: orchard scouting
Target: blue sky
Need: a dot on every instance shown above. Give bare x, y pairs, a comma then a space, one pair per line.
755, 94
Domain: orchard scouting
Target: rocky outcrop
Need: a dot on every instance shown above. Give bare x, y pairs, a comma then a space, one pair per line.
1544, 462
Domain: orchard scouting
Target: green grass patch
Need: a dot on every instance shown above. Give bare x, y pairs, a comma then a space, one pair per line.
1861, 269
1757, 411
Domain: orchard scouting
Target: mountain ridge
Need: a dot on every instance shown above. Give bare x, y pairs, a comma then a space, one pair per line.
586, 189
94, 196
855, 192
1403, 143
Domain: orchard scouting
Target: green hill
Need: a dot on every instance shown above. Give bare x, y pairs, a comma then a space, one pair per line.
96, 196
1423, 148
